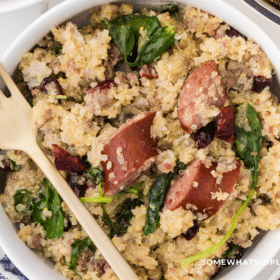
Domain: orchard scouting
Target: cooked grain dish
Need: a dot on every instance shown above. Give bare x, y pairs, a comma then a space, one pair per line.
178, 142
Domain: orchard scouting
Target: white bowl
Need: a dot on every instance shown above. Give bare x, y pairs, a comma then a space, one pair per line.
15, 16
265, 247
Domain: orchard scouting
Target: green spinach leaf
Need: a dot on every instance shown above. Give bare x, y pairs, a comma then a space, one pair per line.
14, 166
249, 138
140, 39
156, 197
123, 217
107, 221
54, 224
23, 197
76, 248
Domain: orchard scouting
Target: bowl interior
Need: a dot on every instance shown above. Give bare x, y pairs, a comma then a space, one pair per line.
79, 13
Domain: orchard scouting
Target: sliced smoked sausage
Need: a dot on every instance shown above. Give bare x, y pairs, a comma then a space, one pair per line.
202, 97
198, 189
131, 151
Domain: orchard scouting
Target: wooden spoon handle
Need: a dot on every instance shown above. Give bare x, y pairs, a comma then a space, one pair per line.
86, 220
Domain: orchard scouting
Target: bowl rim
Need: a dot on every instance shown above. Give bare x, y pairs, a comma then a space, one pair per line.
266, 248
15, 5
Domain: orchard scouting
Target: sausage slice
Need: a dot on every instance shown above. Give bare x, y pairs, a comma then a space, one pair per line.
202, 97
197, 188
130, 152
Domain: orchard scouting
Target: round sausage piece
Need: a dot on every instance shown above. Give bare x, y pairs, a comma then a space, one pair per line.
131, 151
202, 97
197, 189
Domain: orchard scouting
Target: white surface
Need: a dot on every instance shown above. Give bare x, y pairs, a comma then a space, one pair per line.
7, 6
272, 240
18, 15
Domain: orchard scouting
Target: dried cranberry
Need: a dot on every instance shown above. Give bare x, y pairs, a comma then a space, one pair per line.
260, 82
6, 166
103, 267
79, 189
102, 86
64, 161
205, 135
225, 125
191, 232
234, 33
50, 82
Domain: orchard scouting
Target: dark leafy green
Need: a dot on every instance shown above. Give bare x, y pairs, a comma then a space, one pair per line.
57, 49
22, 85
107, 221
123, 217
156, 197
232, 250
76, 248
53, 225
140, 39
23, 197
95, 174
14, 166
249, 138
173, 9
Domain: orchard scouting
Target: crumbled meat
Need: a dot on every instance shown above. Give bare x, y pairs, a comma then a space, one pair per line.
87, 262
132, 78
233, 72
98, 94
221, 31
34, 242
86, 257
148, 71
114, 56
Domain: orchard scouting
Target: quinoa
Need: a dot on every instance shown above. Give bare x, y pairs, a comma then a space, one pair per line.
83, 121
